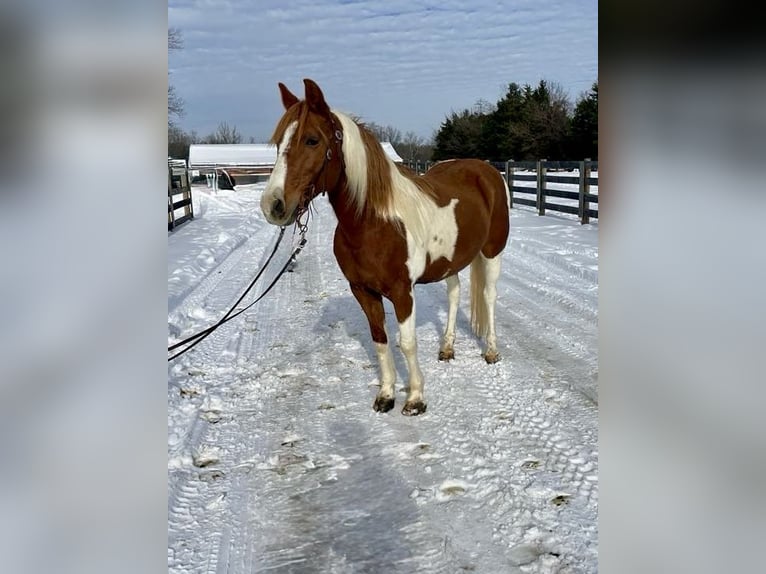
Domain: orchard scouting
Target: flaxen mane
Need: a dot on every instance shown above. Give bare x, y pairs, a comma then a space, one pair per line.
376, 183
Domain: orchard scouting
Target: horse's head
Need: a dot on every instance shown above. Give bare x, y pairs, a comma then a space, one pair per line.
309, 155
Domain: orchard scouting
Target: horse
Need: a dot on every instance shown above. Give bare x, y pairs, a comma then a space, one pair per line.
395, 229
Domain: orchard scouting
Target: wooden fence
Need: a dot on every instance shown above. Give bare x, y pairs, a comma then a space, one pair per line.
179, 186
543, 173
546, 172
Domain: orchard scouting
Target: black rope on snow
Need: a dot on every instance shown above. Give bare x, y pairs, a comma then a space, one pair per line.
230, 314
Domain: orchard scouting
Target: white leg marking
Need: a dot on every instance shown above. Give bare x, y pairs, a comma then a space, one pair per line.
492, 270
409, 345
387, 371
453, 296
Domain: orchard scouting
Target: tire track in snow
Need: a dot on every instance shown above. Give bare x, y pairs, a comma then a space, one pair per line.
196, 492
521, 445
489, 480
194, 263
329, 468
333, 487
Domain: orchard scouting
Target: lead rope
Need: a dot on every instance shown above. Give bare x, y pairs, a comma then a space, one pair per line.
230, 314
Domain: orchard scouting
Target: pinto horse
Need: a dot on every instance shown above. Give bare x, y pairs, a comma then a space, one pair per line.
395, 228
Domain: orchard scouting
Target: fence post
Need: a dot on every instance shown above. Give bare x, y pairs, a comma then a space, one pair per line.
186, 183
541, 186
584, 204
509, 181
171, 216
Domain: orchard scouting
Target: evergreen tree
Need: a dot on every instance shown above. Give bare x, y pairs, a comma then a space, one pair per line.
497, 139
584, 132
459, 136
545, 123
526, 124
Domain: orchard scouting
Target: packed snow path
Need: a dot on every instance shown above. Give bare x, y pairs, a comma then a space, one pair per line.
277, 462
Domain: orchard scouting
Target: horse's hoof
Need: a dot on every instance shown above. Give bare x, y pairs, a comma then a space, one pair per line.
492, 357
414, 408
383, 404
446, 355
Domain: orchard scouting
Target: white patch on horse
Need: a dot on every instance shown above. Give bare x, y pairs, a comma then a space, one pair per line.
275, 188
442, 236
436, 241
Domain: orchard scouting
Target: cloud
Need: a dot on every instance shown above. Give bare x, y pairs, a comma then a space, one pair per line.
403, 62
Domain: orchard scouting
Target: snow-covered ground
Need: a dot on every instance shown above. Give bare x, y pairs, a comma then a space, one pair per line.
277, 462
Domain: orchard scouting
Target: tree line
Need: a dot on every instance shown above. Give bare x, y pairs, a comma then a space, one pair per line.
525, 124
179, 140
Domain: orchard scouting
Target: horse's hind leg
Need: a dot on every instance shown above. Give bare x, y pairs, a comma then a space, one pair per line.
447, 351
484, 275
491, 275
372, 305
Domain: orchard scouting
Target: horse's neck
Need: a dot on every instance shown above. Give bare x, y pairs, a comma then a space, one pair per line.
344, 211
349, 220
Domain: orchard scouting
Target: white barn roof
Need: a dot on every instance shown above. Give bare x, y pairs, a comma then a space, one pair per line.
391, 152
209, 155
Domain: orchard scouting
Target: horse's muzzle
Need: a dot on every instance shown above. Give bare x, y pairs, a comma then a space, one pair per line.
275, 209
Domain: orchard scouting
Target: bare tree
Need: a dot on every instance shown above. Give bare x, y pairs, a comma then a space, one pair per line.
483, 107
179, 141
175, 40
224, 134
385, 133
175, 102
410, 146
559, 97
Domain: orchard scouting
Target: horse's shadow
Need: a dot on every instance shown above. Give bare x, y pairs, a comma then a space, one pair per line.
344, 312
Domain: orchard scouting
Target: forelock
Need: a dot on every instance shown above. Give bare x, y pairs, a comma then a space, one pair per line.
297, 113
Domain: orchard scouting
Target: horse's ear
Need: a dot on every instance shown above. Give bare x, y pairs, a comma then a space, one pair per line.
315, 97
288, 98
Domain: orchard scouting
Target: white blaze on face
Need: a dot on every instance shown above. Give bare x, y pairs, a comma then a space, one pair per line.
275, 188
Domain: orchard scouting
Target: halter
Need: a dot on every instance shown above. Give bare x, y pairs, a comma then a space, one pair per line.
313, 191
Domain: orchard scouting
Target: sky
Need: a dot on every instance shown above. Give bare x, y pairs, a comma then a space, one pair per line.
404, 63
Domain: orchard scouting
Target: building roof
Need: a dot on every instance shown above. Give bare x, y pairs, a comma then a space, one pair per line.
391, 152
209, 155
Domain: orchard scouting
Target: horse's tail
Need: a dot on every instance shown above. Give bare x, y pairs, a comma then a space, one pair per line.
479, 318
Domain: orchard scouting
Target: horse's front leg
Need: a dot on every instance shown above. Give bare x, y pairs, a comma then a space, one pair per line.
372, 305
404, 305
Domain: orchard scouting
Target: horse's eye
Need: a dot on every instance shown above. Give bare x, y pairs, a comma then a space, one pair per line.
312, 141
